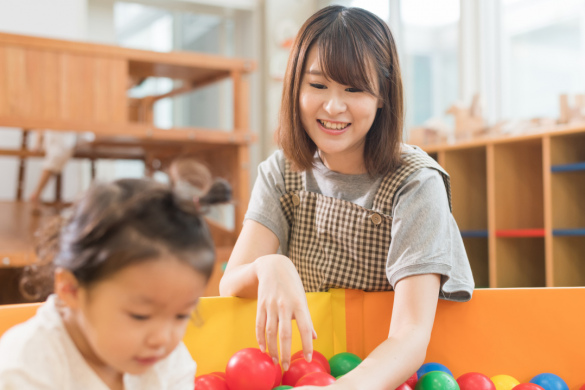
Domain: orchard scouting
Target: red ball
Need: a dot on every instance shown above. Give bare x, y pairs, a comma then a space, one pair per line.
404, 386
218, 374
318, 356
278, 376
298, 369
527, 386
412, 380
316, 379
250, 369
475, 381
210, 382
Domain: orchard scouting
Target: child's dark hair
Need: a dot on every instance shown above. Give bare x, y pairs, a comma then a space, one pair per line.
121, 223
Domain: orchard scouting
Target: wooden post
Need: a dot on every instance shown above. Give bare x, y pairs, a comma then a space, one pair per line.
21, 166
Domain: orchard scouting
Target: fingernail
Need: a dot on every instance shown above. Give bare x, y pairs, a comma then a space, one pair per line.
309, 357
275, 360
262, 349
285, 366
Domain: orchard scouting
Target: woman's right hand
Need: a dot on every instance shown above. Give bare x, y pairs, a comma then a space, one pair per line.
281, 298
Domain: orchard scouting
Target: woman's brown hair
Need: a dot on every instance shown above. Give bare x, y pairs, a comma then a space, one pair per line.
351, 43
121, 223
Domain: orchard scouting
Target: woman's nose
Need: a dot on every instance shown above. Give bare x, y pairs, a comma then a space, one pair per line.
334, 104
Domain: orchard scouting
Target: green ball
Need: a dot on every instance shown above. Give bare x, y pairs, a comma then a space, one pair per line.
436, 380
343, 362
282, 387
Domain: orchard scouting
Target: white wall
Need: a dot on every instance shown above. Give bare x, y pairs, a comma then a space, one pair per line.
62, 19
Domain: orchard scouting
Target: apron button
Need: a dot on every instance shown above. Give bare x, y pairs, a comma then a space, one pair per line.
376, 219
296, 200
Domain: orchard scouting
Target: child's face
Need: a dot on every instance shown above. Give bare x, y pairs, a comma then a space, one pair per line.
337, 117
138, 316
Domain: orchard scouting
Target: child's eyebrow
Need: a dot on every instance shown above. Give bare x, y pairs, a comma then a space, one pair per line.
316, 72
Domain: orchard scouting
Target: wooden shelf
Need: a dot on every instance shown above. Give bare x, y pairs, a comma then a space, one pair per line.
568, 232
521, 233
568, 167
528, 230
474, 233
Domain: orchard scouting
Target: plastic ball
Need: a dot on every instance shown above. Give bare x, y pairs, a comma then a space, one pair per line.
404, 386
318, 356
436, 380
283, 387
298, 369
475, 381
250, 369
210, 382
278, 376
316, 379
527, 386
343, 362
428, 367
412, 380
550, 382
219, 374
504, 382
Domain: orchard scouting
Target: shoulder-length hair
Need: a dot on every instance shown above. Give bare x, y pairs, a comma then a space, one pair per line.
351, 42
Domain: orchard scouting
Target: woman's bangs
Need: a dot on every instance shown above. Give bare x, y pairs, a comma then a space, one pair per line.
344, 60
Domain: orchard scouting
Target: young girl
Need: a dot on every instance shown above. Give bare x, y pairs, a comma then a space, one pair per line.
130, 264
346, 204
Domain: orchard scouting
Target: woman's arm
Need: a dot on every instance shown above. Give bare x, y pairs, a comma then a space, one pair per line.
255, 270
399, 356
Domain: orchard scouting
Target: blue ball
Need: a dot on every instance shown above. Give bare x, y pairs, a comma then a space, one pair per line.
549, 382
428, 367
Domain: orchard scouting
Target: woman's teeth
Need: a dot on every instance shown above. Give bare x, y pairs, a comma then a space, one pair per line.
333, 126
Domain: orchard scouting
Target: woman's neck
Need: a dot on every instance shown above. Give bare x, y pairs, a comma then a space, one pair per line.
348, 165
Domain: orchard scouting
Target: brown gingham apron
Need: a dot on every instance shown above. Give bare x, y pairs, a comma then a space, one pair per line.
334, 243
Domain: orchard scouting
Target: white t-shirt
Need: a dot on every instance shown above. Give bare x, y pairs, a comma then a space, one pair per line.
40, 354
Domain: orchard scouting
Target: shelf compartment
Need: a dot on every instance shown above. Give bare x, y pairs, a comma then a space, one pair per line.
568, 167
468, 172
568, 264
568, 232
568, 200
518, 182
567, 149
477, 253
474, 233
520, 262
519, 233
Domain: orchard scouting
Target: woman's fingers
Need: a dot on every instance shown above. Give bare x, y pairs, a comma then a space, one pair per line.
261, 327
285, 335
307, 333
272, 324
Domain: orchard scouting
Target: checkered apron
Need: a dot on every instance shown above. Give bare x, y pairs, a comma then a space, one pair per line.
334, 243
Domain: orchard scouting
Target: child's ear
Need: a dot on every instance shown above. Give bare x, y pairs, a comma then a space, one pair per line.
67, 287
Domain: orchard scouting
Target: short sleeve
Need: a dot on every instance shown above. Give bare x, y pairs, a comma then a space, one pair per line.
425, 237
264, 206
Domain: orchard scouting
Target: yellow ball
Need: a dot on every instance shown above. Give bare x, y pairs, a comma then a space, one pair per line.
504, 382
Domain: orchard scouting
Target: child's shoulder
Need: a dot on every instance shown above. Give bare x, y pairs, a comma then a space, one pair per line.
33, 341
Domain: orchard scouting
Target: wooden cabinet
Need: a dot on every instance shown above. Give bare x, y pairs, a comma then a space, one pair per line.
519, 202
83, 87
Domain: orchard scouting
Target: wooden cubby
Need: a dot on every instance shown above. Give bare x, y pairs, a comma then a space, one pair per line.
467, 169
519, 203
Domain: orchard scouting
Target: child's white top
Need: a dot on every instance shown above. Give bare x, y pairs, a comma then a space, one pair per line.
40, 354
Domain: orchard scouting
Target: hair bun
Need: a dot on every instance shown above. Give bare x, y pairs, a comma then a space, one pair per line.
219, 192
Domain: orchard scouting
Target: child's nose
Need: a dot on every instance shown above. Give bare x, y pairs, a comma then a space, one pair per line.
160, 336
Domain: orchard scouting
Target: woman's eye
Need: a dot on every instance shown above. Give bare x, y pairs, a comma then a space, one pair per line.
139, 317
354, 90
318, 86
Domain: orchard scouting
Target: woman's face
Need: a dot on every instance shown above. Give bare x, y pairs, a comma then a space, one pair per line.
337, 117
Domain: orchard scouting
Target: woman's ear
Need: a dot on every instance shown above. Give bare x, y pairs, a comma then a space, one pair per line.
67, 288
